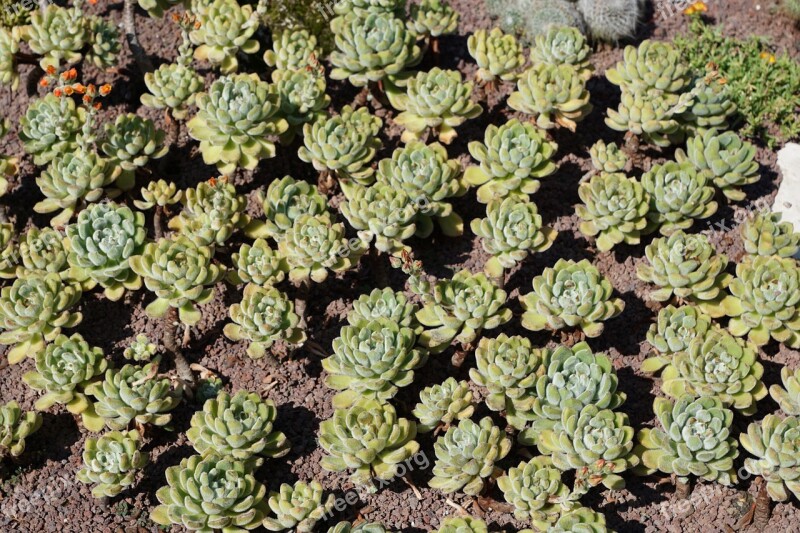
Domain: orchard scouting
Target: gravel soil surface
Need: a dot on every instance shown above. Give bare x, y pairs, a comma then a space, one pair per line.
40, 493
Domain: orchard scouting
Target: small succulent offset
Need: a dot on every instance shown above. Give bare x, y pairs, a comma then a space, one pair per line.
614, 209
788, 396
381, 213
767, 301
99, 247
598, 443
104, 42
432, 18
652, 117
9, 254
580, 519
679, 194
9, 46
461, 308
258, 264
674, 330
208, 493
687, 267
181, 275
729, 160
536, 491
443, 404
58, 34
572, 378
508, 367
511, 230
141, 349
238, 426
775, 443
292, 50
211, 213
555, 95
132, 141
372, 46
134, 394
512, 157
73, 180
362, 527
765, 234
372, 360
42, 250
498, 55
285, 201
429, 178
384, 303
437, 99
466, 455
224, 29
32, 312
369, 438
158, 193
303, 99
50, 126
608, 157
563, 45
694, 439
344, 144
316, 246
111, 462
15, 427
65, 368
570, 295
299, 506
235, 120
462, 524
711, 107
264, 316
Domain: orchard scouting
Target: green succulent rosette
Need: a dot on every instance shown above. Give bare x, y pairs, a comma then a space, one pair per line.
563, 45
652, 66
555, 95
570, 295
104, 43
292, 50
9, 46
443, 403
264, 316
384, 303
65, 368
679, 195
511, 159
466, 455
58, 34
510, 232
653, 117
156, 8
49, 128
258, 264
569, 378
767, 301
498, 55
235, 121
694, 438
430, 179
33, 310
15, 427
299, 506
711, 107
726, 157
788, 396
614, 210
238, 426
111, 462
285, 201
362, 527
42, 251
371, 46
460, 308
372, 360
432, 18
608, 157
141, 349
208, 493
100, 244
581, 520
180, 273
369, 438
172, 86
316, 246
462, 524
212, 212
535, 490
303, 99
765, 234
687, 267
437, 99
381, 215
225, 29
344, 144
9, 254
775, 445
132, 141
674, 330
158, 193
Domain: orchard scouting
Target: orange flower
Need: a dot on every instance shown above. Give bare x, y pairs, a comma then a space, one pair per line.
68, 90
105, 89
93, 2
79, 88
98, 106
175, 17
50, 69
212, 182
91, 90
696, 8
44, 82
58, 92
87, 99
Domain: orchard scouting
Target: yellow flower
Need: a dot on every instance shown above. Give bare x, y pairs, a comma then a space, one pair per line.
696, 8
769, 58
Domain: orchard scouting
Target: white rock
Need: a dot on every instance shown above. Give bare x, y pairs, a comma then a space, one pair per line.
787, 202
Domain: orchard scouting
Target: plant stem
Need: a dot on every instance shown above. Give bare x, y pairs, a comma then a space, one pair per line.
158, 225
171, 324
173, 129
682, 490
300, 301
143, 62
762, 513
378, 268
457, 360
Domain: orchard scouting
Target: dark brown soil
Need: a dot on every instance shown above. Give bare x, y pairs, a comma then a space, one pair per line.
40, 492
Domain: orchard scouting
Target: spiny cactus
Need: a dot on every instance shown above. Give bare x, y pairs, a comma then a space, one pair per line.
555, 95
611, 20
531, 18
